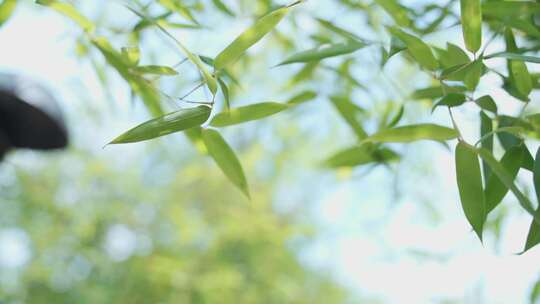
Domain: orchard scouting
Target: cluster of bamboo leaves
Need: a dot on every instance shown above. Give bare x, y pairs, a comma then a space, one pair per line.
482, 178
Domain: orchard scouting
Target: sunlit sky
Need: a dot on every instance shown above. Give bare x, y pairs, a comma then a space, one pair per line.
381, 246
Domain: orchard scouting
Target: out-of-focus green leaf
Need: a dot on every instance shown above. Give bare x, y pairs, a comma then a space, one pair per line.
248, 38
302, 97
452, 56
487, 103
222, 7
510, 9
508, 140
451, 100
412, 133
71, 12
486, 128
495, 188
469, 180
533, 237
397, 118
338, 30
247, 113
166, 124
471, 22
7, 7
473, 73
420, 51
155, 69
132, 55
225, 158
178, 7
348, 111
436, 92
518, 72
396, 11
360, 155
319, 54
225, 91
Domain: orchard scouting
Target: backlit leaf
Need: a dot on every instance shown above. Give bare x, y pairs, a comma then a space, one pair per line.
247, 113
420, 51
69, 11
7, 7
155, 70
166, 124
469, 180
471, 22
412, 133
533, 237
225, 158
324, 52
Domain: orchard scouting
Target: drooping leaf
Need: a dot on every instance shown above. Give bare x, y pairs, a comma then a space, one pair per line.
132, 55
471, 22
7, 7
420, 51
396, 11
509, 139
486, 128
71, 12
248, 38
533, 237
412, 133
226, 159
319, 54
518, 72
225, 91
247, 113
166, 124
302, 97
348, 111
155, 70
495, 189
469, 180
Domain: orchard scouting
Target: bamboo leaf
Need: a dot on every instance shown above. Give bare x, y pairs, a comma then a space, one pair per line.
487, 103
360, 155
451, 100
518, 72
247, 113
155, 70
302, 97
514, 56
420, 51
248, 38
319, 54
132, 55
71, 12
412, 133
396, 11
533, 237
222, 7
469, 180
348, 111
471, 21
166, 124
7, 8
225, 158
486, 129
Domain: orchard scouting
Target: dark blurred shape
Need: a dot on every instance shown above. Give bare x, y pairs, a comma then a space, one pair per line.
29, 116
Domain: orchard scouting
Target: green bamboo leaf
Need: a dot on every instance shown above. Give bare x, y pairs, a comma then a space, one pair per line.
420, 51
155, 70
397, 118
360, 155
178, 7
222, 7
132, 55
302, 97
509, 139
328, 51
166, 124
348, 111
507, 180
71, 12
338, 30
473, 73
487, 103
248, 38
435, 92
533, 237
225, 91
510, 9
495, 188
486, 129
518, 72
452, 56
7, 8
471, 21
469, 180
514, 56
225, 158
412, 133
247, 113
451, 100
396, 11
